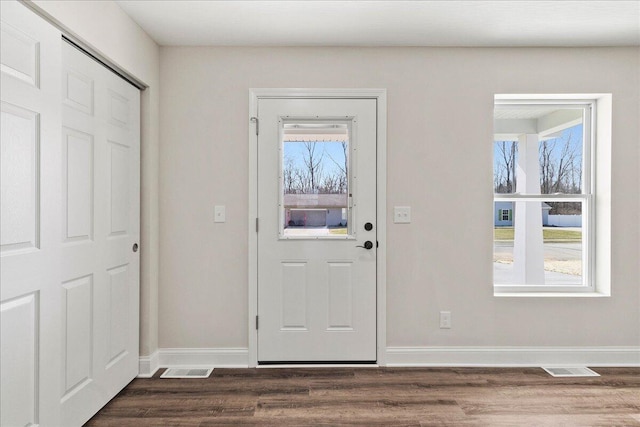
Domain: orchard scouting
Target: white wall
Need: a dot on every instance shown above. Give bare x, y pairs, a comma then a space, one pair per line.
107, 29
440, 103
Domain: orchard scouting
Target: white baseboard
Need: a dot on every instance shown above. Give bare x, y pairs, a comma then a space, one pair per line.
513, 356
209, 357
148, 365
414, 356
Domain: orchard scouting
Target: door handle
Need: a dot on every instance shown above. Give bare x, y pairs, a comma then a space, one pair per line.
135, 247
367, 245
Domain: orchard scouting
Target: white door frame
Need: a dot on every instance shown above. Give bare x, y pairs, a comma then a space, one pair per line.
380, 95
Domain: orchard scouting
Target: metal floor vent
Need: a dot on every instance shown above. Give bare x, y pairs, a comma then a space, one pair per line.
187, 373
573, 371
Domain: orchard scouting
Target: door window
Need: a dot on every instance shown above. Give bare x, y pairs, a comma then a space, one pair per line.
315, 184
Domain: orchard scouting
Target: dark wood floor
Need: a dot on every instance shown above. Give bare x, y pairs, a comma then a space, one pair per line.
380, 397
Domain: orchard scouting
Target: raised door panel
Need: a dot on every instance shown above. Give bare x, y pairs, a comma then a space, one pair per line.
20, 154
19, 356
294, 296
78, 91
119, 109
77, 185
77, 334
340, 286
119, 327
20, 55
119, 188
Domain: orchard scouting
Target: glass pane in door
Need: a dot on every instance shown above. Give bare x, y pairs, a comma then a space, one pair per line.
314, 179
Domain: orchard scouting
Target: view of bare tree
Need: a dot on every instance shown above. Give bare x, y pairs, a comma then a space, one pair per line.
313, 162
560, 169
561, 172
341, 183
505, 168
308, 175
289, 175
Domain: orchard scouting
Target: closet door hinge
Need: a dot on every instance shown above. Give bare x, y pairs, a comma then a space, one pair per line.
257, 225
256, 322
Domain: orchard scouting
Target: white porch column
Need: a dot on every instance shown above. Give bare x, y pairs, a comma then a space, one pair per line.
528, 252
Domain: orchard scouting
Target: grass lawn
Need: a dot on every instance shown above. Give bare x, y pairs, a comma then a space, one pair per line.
549, 234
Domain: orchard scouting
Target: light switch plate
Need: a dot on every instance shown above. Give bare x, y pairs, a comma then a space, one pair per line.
219, 213
445, 320
402, 214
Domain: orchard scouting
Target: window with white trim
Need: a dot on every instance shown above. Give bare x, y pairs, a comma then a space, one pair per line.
544, 166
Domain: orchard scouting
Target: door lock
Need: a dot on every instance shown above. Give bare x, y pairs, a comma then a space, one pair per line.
135, 247
367, 245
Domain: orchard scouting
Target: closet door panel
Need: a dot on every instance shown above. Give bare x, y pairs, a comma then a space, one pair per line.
100, 269
30, 182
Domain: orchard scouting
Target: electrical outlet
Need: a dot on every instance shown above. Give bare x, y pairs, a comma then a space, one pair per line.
445, 320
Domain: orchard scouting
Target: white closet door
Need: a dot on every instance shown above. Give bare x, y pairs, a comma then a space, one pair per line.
30, 319
100, 226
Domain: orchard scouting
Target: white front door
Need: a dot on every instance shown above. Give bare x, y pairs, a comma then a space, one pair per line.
317, 230
100, 226
30, 339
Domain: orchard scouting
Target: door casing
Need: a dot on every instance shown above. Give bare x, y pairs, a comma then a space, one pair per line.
380, 95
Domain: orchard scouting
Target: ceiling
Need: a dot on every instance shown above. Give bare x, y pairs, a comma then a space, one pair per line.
388, 23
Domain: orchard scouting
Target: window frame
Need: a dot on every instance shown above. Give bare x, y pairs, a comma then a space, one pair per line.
586, 197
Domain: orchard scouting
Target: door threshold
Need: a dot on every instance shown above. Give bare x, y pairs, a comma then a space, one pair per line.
319, 364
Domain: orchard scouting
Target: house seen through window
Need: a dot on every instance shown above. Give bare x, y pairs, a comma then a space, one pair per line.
314, 179
542, 195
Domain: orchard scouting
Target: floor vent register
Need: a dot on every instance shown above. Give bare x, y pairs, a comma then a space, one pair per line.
575, 371
187, 373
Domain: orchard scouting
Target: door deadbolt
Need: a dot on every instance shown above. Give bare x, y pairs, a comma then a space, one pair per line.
135, 247
368, 226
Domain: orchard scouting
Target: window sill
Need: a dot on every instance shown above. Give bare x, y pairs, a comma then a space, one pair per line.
551, 294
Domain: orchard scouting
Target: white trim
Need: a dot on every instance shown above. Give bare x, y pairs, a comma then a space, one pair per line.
252, 293
542, 98
533, 293
319, 365
204, 357
148, 365
595, 198
513, 356
347, 93
411, 356
381, 96
381, 222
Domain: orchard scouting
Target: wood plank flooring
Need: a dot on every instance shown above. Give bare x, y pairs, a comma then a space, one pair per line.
379, 397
